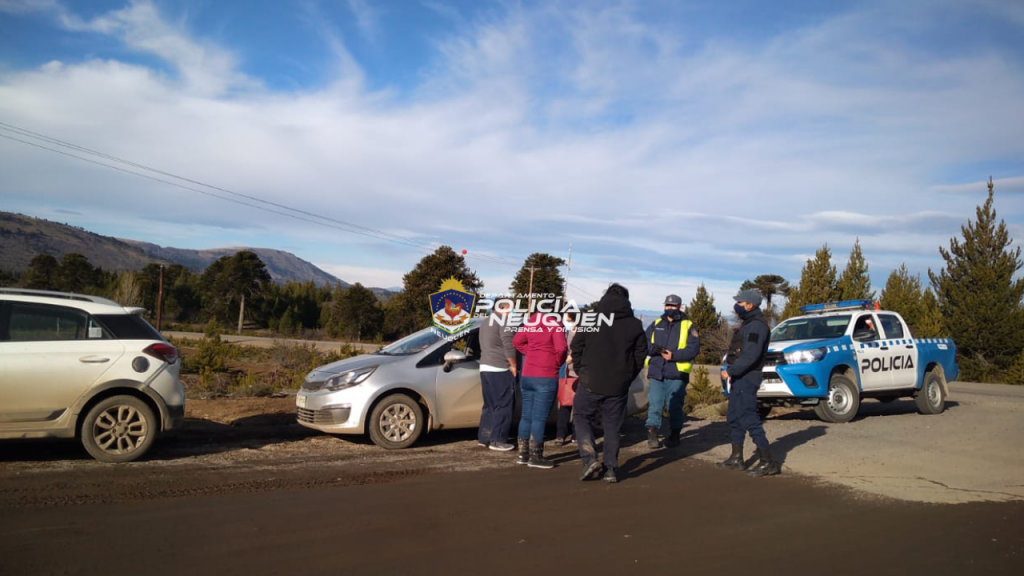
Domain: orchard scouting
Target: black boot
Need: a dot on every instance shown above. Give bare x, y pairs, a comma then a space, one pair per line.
524, 451
673, 438
652, 438
537, 459
767, 466
735, 460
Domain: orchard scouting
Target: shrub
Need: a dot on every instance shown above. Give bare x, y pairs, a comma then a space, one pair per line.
701, 392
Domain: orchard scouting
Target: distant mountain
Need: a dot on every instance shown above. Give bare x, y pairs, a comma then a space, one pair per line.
283, 266
23, 237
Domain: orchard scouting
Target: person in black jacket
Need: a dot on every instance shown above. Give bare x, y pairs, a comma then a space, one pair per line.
743, 370
607, 361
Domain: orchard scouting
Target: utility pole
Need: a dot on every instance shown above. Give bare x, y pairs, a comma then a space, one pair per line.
160, 300
241, 313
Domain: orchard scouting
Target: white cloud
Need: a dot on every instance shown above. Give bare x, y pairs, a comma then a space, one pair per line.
1013, 185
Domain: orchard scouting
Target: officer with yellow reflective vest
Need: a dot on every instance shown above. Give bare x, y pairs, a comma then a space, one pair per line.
672, 343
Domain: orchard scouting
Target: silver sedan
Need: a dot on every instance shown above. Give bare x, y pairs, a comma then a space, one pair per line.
418, 384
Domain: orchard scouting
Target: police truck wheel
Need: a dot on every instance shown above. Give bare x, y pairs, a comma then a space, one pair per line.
842, 402
396, 422
931, 398
763, 410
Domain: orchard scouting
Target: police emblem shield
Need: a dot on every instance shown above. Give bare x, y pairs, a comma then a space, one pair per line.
451, 307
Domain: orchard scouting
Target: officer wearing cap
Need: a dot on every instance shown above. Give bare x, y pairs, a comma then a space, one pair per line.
743, 365
672, 344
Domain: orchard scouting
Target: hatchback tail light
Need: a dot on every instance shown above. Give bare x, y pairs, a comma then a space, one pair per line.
163, 352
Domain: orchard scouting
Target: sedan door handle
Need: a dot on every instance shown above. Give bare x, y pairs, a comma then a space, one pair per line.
910, 346
93, 359
883, 348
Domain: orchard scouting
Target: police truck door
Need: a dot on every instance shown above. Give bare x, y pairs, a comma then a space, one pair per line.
902, 349
872, 354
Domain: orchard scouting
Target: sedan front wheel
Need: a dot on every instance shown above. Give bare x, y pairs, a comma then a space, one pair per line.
396, 422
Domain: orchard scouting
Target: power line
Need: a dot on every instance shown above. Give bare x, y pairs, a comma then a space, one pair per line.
274, 207
204, 192
305, 215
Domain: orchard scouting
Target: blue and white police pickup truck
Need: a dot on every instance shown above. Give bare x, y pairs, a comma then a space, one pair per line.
835, 354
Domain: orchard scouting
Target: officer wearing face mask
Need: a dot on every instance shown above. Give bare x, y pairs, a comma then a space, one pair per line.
672, 344
743, 368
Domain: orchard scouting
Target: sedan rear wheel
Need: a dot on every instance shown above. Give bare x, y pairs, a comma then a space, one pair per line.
396, 422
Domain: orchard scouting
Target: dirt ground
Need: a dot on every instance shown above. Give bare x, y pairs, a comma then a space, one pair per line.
244, 489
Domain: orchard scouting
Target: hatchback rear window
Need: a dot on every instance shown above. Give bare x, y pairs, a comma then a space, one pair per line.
128, 327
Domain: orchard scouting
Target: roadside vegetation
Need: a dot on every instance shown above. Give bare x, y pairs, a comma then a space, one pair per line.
213, 368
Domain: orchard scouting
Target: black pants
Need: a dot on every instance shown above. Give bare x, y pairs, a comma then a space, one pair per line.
742, 414
564, 414
611, 412
499, 396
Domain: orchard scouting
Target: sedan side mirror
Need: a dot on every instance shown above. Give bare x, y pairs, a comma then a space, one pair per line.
453, 357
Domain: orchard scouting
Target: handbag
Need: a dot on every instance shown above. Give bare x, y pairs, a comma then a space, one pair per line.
566, 391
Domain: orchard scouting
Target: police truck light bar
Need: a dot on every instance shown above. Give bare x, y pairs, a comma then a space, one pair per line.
843, 305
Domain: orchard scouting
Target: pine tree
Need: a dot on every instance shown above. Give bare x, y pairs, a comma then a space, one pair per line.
702, 311
817, 283
42, 274
902, 294
978, 295
707, 320
410, 310
854, 283
359, 313
793, 304
547, 279
1015, 375
931, 323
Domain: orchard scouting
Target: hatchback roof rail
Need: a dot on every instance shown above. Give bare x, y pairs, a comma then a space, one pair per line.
55, 294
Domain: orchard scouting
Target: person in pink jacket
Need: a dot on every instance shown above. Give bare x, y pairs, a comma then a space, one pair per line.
542, 341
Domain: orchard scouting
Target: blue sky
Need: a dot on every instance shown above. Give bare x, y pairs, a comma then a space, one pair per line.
672, 143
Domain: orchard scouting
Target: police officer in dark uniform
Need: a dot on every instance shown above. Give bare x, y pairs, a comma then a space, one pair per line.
743, 368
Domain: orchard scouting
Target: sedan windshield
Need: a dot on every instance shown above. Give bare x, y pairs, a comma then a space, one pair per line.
412, 344
811, 328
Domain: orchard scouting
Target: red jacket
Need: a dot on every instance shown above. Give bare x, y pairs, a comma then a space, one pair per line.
543, 344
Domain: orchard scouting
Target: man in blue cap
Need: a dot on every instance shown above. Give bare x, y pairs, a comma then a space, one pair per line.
743, 365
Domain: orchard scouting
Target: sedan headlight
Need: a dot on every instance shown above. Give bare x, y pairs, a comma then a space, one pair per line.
348, 379
805, 356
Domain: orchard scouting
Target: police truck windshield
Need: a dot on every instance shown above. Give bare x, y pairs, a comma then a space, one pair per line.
811, 328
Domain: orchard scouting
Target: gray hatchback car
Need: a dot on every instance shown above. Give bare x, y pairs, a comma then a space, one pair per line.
420, 383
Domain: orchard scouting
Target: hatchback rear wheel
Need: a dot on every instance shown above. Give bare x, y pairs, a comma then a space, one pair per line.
119, 429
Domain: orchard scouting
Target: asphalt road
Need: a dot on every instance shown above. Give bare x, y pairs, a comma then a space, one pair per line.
892, 492
688, 517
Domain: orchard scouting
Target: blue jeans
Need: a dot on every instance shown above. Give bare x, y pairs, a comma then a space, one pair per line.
538, 398
662, 394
